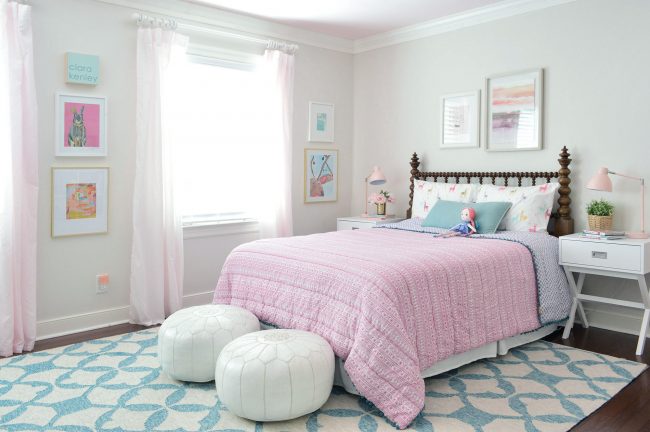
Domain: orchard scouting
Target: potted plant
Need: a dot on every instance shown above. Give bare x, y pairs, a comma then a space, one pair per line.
600, 215
379, 200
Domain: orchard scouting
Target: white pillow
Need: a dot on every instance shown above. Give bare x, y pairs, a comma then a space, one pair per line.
531, 206
426, 194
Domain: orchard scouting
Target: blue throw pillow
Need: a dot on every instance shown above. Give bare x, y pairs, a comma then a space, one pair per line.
446, 214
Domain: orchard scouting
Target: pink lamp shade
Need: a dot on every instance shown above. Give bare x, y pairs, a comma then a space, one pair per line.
601, 181
377, 177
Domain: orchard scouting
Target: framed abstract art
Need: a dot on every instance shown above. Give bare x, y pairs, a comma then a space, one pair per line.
514, 111
321, 175
460, 120
79, 201
80, 125
321, 122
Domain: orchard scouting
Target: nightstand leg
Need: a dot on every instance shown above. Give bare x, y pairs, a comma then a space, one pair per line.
569, 322
575, 306
581, 311
646, 315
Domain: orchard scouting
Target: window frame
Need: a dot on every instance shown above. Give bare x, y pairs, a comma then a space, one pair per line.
207, 225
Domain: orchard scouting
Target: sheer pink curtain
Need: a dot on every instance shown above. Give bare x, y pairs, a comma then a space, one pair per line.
18, 180
157, 248
275, 213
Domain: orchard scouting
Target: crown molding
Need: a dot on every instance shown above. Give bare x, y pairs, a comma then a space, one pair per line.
496, 11
228, 21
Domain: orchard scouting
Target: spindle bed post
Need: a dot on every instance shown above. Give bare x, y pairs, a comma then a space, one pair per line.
564, 221
415, 163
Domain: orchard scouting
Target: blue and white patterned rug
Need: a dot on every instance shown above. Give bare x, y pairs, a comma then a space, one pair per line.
115, 384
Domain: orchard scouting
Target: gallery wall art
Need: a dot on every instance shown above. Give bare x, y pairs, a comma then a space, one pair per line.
321, 175
460, 120
514, 111
79, 201
80, 125
321, 122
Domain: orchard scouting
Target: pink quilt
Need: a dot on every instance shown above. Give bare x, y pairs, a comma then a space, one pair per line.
390, 302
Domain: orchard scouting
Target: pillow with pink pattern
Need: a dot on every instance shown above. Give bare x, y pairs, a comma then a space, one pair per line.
426, 194
531, 205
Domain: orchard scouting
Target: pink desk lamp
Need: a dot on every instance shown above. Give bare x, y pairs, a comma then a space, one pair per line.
376, 178
602, 182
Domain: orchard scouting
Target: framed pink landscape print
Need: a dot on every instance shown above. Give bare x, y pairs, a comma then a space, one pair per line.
514, 111
80, 125
79, 201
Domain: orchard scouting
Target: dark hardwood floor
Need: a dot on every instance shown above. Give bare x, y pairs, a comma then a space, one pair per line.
47, 344
628, 411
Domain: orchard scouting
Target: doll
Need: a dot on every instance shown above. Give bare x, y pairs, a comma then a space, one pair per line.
467, 226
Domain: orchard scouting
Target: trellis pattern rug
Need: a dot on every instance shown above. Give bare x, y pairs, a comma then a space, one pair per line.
115, 384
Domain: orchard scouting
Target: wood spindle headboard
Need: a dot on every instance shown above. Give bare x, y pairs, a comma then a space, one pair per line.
563, 222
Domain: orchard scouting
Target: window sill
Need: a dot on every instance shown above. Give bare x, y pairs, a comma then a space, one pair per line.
220, 228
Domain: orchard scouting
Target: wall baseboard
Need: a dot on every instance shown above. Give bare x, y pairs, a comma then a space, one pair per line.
609, 319
86, 321
598, 317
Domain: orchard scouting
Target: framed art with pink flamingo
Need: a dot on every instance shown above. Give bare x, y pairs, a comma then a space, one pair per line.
321, 175
80, 125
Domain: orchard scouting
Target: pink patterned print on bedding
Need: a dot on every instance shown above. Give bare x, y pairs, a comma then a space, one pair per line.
390, 302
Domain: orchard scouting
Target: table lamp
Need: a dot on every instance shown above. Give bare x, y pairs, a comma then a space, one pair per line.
375, 178
602, 182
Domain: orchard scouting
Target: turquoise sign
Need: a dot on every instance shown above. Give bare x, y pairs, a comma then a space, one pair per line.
82, 68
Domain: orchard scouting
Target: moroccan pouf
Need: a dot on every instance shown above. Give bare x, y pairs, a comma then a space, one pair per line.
275, 375
190, 340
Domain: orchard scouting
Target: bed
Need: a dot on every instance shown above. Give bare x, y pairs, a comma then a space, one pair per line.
399, 303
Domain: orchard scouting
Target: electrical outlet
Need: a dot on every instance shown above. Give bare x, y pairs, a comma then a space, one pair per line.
102, 283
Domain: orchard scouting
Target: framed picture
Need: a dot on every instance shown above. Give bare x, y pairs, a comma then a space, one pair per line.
79, 201
514, 111
321, 175
460, 120
321, 122
80, 125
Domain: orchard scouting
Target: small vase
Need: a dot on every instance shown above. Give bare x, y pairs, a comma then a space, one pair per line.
381, 209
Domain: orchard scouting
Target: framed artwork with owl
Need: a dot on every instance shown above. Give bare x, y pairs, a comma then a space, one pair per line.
80, 125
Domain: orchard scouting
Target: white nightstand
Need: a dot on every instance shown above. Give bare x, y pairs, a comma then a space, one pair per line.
625, 258
358, 222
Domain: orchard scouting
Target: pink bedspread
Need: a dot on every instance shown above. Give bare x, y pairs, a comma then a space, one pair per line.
390, 302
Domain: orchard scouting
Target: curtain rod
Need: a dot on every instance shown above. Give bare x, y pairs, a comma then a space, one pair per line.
141, 18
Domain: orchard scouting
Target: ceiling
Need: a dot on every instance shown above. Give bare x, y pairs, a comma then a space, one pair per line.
350, 19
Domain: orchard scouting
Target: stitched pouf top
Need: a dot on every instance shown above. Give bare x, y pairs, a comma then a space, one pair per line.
275, 374
190, 340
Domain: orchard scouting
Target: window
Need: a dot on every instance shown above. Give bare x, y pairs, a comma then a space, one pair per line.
219, 131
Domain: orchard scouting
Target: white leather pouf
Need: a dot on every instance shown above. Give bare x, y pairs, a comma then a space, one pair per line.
275, 375
190, 340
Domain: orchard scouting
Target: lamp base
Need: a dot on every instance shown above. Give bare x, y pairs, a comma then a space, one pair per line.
637, 235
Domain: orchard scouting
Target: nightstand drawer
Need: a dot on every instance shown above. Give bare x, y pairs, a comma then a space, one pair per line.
352, 225
601, 254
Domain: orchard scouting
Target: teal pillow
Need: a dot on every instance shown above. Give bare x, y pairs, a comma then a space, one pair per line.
446, 214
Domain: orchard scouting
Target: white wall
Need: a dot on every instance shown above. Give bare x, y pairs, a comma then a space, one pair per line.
67, 266
597, 65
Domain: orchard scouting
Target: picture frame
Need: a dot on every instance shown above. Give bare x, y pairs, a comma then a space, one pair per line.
321, 122
321, 175
514, 105
79, 201
81, 124
460, 120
